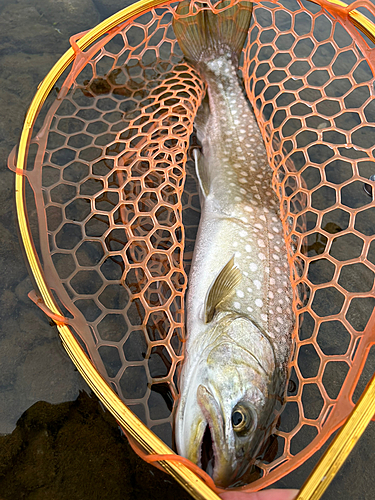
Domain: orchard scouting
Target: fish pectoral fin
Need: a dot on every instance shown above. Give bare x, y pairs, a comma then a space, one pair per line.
201, 172
221, 288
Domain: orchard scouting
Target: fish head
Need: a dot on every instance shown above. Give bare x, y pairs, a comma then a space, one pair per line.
227, 411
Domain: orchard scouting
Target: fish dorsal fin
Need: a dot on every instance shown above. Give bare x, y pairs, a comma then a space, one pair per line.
201, 172
221, 288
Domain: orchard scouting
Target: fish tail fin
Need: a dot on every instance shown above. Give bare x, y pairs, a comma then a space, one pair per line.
204, 36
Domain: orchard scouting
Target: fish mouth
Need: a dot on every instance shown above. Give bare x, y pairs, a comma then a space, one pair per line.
212, 456
207, 455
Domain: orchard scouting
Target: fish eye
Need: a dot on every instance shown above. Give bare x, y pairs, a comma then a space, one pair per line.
241, 419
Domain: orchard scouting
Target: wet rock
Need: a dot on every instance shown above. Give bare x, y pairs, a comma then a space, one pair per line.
41, 375
8, 242
12, 354
68, 16
7, 302
26, 30
75, 450
35, 325
22, 290
21, 74
6, 194
12, 268
42, 380
109, 7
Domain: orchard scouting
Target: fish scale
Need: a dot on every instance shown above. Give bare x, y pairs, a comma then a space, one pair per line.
246, 210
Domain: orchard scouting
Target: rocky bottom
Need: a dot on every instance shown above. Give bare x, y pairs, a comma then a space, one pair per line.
75, 450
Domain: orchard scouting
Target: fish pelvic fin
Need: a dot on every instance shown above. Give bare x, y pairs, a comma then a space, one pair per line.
221, 288
204, 36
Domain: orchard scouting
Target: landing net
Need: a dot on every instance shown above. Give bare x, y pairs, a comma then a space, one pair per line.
113, 208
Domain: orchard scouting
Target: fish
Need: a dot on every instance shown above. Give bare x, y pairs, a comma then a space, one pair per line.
239, 301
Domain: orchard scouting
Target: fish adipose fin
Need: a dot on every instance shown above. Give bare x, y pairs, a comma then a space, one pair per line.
206, 35
221, 288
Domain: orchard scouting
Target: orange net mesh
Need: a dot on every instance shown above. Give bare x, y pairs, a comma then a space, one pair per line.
118, 209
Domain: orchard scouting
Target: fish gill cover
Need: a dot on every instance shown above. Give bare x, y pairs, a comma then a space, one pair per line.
116, 207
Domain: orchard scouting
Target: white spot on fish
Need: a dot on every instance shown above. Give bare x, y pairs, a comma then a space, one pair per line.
248, 248
261, 244
261, 256
240, 294
237, 305
259, 302
258, 284
253, 267
264, 317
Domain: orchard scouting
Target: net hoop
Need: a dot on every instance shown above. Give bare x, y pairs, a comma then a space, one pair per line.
131, 424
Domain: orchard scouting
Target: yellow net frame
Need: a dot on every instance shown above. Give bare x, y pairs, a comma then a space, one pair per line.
361, 415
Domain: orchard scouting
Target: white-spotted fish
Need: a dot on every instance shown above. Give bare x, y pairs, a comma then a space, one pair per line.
239, 303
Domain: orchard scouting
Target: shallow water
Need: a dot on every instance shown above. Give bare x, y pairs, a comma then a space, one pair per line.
33, 365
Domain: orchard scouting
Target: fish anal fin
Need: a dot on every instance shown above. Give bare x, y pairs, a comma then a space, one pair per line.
223, 286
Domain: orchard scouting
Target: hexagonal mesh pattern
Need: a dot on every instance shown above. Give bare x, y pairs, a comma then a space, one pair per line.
112, 178
109, 181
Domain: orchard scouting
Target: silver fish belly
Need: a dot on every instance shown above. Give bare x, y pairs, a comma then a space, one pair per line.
239, 302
